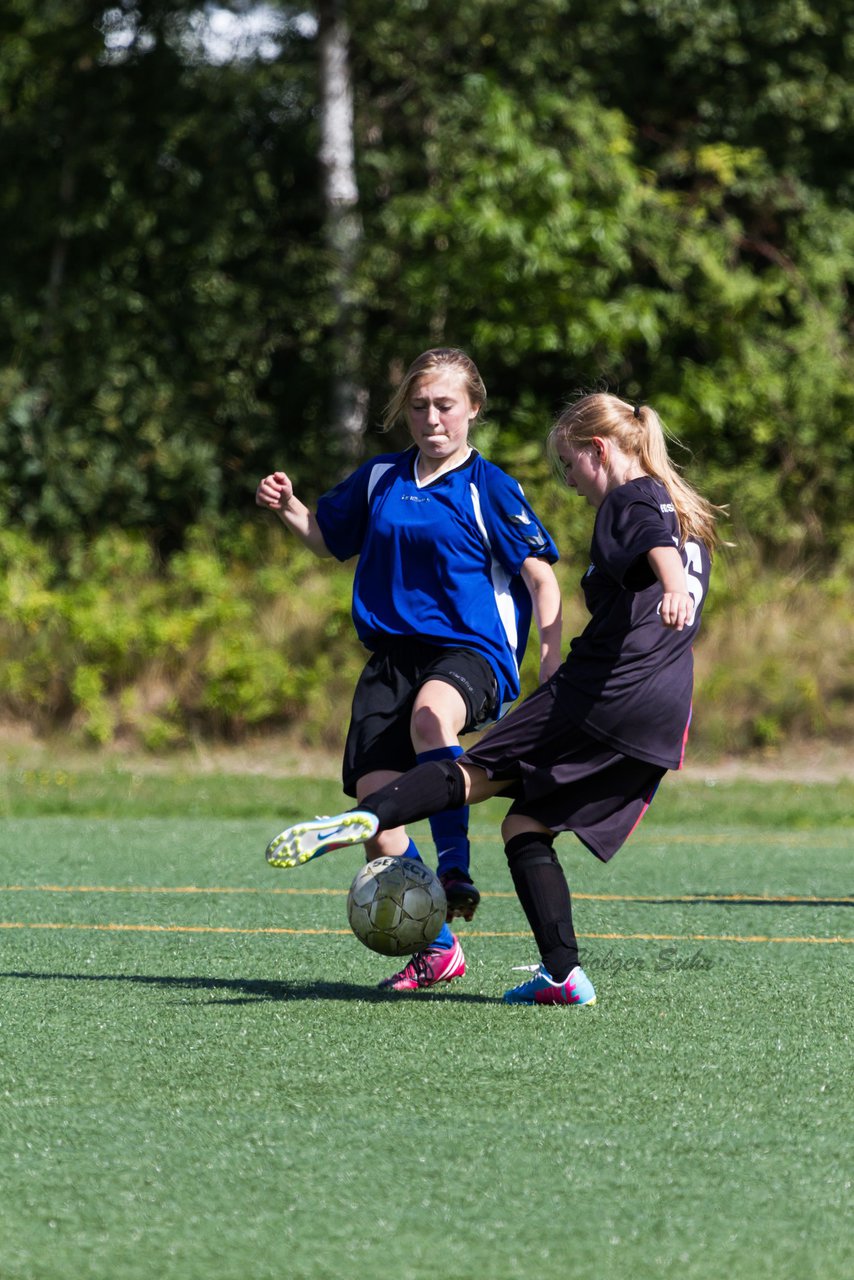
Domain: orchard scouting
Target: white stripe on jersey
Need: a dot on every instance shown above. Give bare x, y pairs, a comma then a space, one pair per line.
376, 475
500, 583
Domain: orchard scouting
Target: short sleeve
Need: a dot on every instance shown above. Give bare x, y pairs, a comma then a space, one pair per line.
342, 514
514, 530
629, 525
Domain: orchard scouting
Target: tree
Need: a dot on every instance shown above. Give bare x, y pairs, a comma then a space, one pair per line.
164, 316
584, 203
343, 228
653, 193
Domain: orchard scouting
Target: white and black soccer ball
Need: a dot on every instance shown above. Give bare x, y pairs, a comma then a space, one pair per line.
396, 906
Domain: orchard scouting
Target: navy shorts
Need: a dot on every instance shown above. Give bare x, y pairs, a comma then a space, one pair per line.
564, 778
379, 733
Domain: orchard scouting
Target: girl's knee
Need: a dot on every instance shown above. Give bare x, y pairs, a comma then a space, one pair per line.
438, 716
516, 824
428, 727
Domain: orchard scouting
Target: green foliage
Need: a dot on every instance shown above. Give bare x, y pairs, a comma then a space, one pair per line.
116, 645
248, 632
652, 195
157, 280
575, 239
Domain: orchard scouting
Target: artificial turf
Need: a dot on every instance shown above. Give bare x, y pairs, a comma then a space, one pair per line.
200, 1081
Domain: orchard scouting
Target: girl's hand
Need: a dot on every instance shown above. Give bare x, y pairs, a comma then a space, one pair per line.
548, 666
676, 609
274, 491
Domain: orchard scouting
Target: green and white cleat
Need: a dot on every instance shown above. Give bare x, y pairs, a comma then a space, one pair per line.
306, 840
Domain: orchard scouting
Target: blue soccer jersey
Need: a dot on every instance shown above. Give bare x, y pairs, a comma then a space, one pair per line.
439, 559
631, 677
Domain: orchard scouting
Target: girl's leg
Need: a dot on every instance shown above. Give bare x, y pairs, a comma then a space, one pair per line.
544, 896
428, 789
439, 715
393, 842
543, 893
450, 829
422, 791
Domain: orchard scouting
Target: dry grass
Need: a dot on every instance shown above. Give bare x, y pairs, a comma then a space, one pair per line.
775, 666
775, 676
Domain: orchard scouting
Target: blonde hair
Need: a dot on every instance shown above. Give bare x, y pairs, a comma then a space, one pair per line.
436, 360
638, 432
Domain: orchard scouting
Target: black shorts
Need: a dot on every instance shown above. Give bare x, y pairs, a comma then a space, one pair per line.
379, 733
564, 778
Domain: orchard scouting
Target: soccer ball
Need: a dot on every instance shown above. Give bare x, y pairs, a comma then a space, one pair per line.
396, 906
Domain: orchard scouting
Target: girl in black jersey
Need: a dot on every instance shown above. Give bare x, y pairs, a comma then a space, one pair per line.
586, 751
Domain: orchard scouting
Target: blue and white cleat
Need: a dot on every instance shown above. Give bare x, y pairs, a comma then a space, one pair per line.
542, 989
306, 840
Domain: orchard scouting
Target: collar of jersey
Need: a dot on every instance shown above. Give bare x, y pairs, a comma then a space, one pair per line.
425, 484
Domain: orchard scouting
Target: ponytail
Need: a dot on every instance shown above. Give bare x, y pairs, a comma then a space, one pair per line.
638, 431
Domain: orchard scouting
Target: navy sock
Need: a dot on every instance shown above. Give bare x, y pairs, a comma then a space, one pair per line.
544, 895
450, 828
445, 940
411, 851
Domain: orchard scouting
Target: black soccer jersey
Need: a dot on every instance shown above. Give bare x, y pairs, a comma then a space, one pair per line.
631, 678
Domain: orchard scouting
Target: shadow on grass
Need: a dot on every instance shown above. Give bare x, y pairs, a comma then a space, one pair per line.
251, 990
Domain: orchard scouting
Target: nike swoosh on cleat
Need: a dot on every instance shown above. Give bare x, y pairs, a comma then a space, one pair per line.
327, 835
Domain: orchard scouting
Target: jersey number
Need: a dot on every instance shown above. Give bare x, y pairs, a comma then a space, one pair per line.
694, 561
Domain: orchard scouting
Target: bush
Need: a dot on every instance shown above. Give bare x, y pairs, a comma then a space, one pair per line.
245, 631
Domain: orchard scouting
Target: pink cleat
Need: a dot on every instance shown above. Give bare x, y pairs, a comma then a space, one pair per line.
427, 969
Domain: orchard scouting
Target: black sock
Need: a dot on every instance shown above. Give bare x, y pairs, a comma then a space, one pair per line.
543, 892
428, 788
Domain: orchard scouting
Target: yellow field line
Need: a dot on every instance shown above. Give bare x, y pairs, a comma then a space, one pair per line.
154, 888
663, 898
609, 937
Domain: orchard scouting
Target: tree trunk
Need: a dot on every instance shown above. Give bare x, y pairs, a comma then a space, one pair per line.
349, 398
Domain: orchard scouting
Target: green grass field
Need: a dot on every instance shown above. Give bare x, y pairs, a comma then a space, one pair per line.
200, 1082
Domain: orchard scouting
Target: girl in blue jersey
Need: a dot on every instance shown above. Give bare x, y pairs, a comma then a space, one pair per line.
452, 564
587, 750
